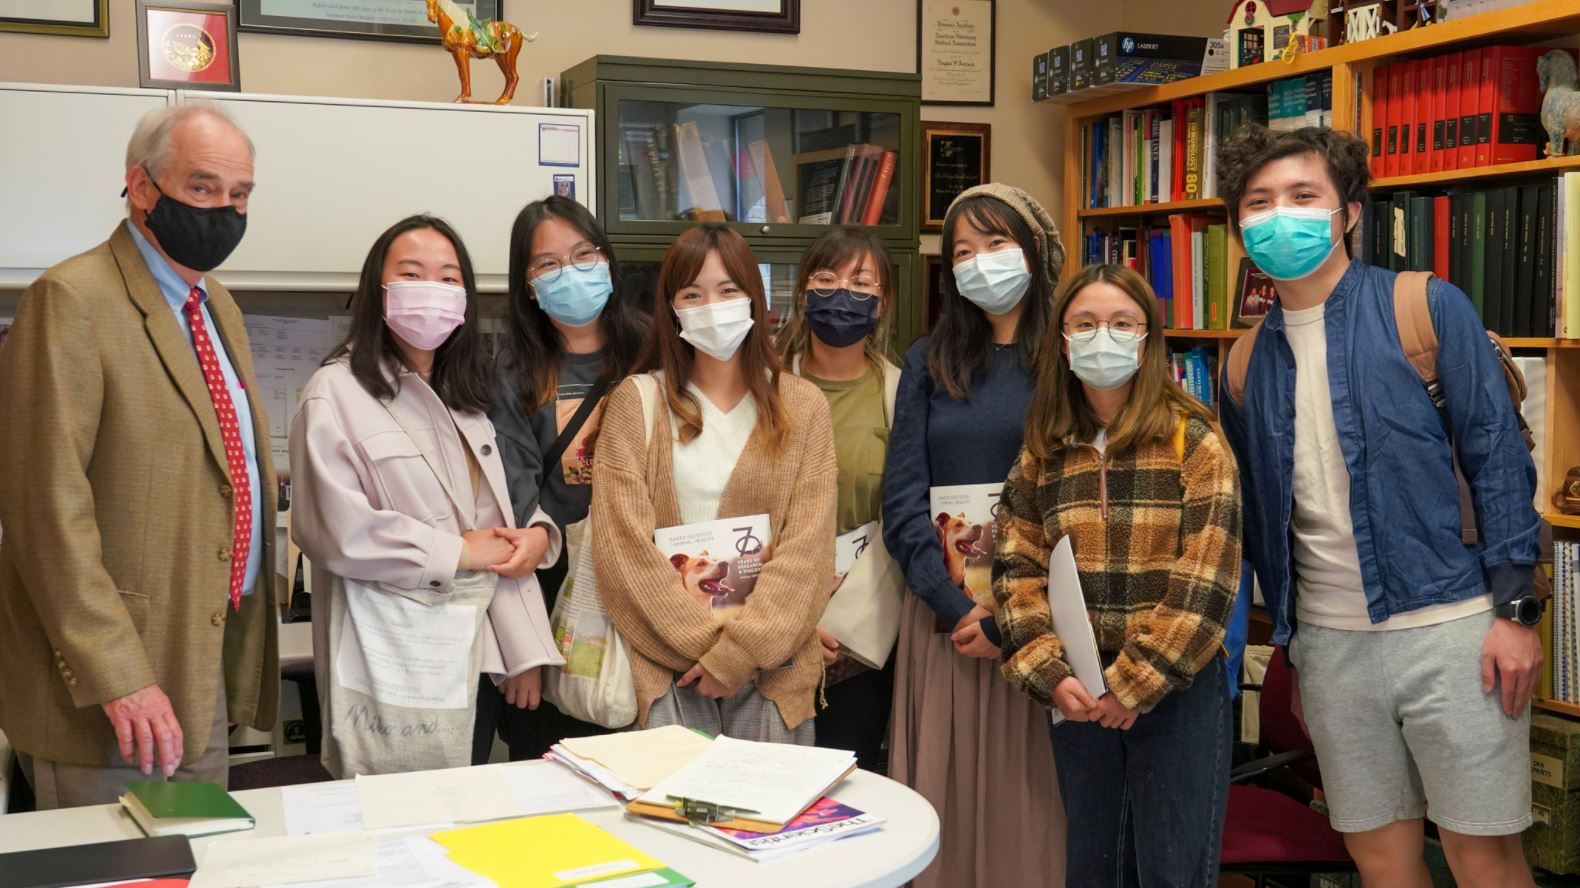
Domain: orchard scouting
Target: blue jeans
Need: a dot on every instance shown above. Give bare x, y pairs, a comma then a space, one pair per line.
1145, 807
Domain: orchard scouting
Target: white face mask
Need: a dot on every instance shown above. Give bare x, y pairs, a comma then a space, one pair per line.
718, 328
996, 282
1103, 363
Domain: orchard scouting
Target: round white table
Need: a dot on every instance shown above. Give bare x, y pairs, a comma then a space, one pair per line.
891, 856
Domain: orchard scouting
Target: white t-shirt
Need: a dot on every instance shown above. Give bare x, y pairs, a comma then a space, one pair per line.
703, 466
1329, 591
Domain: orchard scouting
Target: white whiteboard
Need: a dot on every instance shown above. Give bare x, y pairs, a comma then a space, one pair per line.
333, 173
62, 168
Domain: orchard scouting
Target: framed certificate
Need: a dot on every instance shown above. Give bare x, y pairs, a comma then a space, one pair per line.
75, 18
955, 156
955, 51
185, 44
774, 16
404, 20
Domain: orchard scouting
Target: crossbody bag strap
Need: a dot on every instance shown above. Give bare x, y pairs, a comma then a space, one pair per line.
578, 419
461, 510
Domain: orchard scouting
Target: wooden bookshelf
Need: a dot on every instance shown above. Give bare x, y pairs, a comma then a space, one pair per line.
1557, 706
1155, 209
1552, 166
1556, 519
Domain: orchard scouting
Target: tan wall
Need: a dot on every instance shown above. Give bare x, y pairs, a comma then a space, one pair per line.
860, 34
1198, 18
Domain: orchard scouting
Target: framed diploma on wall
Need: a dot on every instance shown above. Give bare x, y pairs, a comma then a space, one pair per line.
955, 51
74, 18
955, 156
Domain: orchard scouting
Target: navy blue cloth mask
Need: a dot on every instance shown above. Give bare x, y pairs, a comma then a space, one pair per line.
840, 319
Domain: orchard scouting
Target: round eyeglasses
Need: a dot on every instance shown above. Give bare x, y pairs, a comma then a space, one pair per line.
825, 284
1121, 329
547, 269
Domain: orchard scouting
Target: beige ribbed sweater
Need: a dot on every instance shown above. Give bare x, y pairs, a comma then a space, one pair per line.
634, 493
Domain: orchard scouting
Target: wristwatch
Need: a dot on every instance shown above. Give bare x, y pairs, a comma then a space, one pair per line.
1526, 611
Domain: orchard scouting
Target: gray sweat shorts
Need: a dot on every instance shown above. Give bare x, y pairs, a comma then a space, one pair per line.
1402, 729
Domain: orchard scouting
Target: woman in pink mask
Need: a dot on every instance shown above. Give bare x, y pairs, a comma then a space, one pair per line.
423, 580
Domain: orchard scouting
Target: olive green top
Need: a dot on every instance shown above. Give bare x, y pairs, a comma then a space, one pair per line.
861, 440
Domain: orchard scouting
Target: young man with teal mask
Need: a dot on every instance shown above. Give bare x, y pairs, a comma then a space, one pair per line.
1414, 667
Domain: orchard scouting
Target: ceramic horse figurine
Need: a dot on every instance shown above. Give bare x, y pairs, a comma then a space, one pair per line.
466, 37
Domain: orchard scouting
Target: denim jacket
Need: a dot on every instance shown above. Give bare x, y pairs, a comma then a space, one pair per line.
1404, 499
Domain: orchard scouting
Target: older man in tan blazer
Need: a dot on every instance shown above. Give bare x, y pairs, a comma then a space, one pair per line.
137, 600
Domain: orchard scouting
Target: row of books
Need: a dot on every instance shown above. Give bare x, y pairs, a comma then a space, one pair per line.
1155, 155
1515, 250
1187, 264
845, 186
1196, 370
1476, 107
1560, 626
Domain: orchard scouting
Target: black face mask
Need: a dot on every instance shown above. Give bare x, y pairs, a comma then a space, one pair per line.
197, 237
841, 319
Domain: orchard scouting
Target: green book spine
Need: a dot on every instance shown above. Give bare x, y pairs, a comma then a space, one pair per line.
1511, 267
1421, 234
1478, 252
1217, 277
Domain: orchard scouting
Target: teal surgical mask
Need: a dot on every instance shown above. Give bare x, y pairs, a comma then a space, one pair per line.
1289, 243
577, 296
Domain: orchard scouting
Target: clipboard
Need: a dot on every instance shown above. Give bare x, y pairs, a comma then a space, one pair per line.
1072, 624
667, 812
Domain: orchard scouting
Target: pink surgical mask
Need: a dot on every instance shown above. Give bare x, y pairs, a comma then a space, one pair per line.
424, 313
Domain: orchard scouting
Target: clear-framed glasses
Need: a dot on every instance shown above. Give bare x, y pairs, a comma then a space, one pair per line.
1123, 328
547, 269
863, 286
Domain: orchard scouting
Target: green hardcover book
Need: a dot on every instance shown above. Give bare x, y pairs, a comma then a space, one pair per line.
1492, 307
1217, 277
1511, 260
194, 809
1421, 234
1478, 252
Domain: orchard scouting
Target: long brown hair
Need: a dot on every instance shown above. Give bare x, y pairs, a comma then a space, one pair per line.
673, 355
1059, 414
834, 249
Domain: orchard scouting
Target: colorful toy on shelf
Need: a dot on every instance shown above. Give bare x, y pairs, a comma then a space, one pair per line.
466, 37
1259, 30
1364, 20
1560, 86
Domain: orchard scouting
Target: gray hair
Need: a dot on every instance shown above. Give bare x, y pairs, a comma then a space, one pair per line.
149, 146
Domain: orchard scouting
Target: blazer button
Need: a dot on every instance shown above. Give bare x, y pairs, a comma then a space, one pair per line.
435, 584
224, 553
71, 682
217, 618
487, 449
225, 491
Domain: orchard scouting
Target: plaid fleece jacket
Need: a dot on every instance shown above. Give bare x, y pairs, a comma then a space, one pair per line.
1157, 544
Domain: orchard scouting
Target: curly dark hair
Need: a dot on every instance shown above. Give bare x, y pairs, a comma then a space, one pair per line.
1256, 146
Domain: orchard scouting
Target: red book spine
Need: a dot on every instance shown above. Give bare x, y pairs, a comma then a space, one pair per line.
1420, 114
1396, 78
1179, 242
1439, 68
1486, 104
1379, 98
1177, 113
1451, 112
880, 189
1469, 98
1517, 135
1440, 244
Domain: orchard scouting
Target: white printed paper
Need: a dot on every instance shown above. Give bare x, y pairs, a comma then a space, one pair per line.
423, 798
408, 654
1072, 624
849, 546
776, 780
559, 144
285, 860
546, 788
407, 861
313, 808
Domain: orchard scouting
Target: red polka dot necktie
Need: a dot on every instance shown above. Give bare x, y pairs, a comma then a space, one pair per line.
230, 433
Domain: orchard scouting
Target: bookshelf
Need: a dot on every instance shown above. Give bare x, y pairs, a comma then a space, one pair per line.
1555, 22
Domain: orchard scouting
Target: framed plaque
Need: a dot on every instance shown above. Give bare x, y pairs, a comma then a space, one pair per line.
74, 18
955, 51
774, 16
955, 156
404, 20
184, 44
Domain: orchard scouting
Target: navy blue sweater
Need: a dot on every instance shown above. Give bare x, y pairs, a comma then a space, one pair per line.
938, 441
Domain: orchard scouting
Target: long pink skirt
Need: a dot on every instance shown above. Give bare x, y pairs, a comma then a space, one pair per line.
978, 750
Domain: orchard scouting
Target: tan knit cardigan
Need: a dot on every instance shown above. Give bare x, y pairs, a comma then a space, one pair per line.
773, 637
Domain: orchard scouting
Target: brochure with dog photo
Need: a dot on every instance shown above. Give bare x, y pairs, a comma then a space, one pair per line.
965, 517
718, 561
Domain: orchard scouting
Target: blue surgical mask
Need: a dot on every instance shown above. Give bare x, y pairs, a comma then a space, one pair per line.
577, 297
996, 282
1289, 243
1102, 363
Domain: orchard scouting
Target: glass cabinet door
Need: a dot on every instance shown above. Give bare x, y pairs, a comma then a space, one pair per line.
770, 168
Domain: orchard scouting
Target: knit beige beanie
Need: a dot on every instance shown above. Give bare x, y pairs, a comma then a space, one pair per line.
1038, 219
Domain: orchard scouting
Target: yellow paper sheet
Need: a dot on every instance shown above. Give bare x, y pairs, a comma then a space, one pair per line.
543, 852
641, 758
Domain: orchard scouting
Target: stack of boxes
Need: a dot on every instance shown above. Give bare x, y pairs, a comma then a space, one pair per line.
1122, 61
1553, 843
